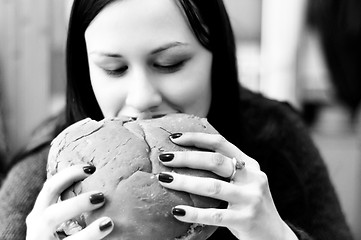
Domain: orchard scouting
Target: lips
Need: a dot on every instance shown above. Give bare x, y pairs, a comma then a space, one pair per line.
147, 115
129, 112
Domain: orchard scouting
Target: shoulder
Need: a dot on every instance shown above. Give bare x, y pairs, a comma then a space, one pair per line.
39, 140
18, 193
255, 104
274, 133
267, 119
30, 169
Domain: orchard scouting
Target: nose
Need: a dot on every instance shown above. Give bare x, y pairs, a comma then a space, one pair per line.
143, 94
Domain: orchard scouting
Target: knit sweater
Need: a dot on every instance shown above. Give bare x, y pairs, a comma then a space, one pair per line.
272, 133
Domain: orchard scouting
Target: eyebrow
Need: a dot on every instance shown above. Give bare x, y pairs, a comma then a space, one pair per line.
158, 50
106, 54
168, 46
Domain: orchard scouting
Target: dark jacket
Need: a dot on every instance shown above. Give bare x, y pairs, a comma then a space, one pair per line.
272, 133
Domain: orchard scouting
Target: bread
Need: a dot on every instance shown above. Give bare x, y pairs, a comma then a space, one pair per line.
125, 154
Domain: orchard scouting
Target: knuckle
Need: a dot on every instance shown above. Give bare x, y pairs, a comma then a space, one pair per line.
217, 217
256, 197
219, 141
194, 216
217, 160
263, 181
256, 165
48, 216
188, 157
259, 197
29, 219
49, 188
214, 189
250, 214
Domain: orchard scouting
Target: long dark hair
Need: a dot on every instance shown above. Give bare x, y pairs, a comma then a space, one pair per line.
209, 22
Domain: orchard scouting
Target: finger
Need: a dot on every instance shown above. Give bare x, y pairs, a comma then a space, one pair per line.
210, 161
55, 185
208, 187
72, 207
213, 142
96, 230
207, 216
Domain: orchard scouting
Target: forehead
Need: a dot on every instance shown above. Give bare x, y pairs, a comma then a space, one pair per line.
128, 22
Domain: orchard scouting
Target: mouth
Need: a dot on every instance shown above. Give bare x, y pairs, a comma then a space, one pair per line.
148, 115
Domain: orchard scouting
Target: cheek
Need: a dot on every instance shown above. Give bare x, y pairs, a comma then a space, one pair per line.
199, 94
190, 93
109, 96
197, 101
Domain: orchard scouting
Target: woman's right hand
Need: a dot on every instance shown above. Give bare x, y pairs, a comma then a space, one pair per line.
48, 213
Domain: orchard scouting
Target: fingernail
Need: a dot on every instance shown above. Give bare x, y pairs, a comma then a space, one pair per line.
166, 157
89, 169
175, 135
105, 225
166, 178
178, 212
96, 198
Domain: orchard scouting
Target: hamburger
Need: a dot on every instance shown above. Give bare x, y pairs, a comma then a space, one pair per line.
125, 154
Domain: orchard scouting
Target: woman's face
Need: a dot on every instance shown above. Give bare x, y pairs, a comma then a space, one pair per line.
145, 61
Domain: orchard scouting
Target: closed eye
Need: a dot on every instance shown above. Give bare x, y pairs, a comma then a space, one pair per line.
116, 72
169, 68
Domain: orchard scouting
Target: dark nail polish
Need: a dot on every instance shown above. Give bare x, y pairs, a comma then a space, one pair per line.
166, 178
166, 157
97, 198
106, 224
175, 135
89, 169
178, 212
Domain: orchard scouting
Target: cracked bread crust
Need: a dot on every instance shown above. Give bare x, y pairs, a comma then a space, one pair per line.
125, 154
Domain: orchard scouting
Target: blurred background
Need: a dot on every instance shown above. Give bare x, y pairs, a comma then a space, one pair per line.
282, 49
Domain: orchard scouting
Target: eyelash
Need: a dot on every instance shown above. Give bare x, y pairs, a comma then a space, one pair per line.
171, 68
162, 68
117, 72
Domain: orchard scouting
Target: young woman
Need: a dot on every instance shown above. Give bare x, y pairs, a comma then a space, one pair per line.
145, 58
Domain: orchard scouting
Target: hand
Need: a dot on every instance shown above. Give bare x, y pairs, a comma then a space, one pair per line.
48, 213
251, 213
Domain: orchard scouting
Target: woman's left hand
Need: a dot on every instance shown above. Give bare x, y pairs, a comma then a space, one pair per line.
251, 213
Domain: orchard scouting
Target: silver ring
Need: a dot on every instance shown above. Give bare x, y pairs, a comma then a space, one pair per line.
237, 165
